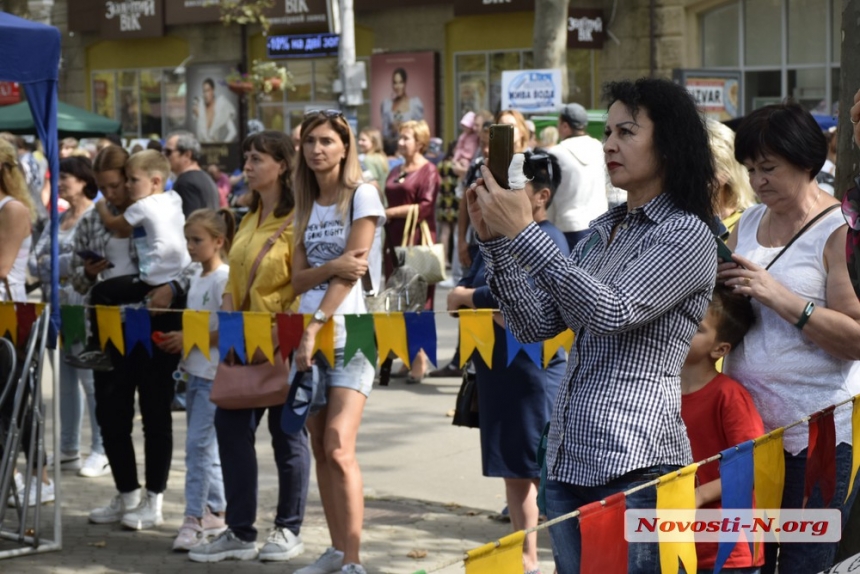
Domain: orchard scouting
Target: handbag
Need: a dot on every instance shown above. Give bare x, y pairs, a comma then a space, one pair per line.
405, 290
466, 407
254, 385
428, 259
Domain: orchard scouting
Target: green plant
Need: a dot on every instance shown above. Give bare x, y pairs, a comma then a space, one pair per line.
246, 12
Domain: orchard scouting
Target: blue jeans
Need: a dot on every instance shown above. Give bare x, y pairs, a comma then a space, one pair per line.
562, 498
72, 381
810, 558
204, 483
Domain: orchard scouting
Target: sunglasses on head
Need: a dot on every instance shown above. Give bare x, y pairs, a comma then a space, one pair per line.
330, 114
531, 166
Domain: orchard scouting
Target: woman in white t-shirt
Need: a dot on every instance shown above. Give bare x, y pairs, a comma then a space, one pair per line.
337, 227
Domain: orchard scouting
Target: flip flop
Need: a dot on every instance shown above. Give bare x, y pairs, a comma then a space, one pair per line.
299, 400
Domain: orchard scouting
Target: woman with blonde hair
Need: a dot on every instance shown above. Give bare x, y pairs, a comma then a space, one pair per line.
372, 157
521, 130
735, 193
338, 227
16, 218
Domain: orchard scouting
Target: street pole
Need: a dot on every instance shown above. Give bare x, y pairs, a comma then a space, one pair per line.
346, 59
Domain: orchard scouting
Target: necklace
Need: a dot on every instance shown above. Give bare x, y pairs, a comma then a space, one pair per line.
770, 220
322, 213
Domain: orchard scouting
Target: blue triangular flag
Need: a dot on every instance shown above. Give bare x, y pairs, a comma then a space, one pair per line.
231, 334
736, 476
138, 329
421, 334
532, 350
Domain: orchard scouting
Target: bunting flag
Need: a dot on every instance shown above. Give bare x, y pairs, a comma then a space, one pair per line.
551, 346
290, 329
421, 334
677, 491
258, 335
74, 325
502, 557
769, 469
8, 321
110, 327
821, 457
477, 332
855, 452
391, 336
602, 527
26, 314
325, 339
195, 332
532, 350
231, 334
359, 337
736, 477
138, 329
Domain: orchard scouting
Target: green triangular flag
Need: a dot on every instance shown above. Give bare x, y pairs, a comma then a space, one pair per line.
360, 335
73, 325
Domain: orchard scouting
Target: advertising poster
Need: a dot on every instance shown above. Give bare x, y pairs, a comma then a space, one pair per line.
532, 91
213, 110
402, 88
717, 93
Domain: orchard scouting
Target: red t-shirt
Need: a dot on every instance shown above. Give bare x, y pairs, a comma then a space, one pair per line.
718, 416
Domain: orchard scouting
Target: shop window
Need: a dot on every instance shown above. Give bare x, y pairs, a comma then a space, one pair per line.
104, 94
762, 89
763, 32
303, 76
720, 32
581, 78
146, 102
807, 32
500, 62
807, 87
151, 111
325, 73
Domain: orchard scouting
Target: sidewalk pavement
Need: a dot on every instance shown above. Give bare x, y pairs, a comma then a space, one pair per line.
426, 500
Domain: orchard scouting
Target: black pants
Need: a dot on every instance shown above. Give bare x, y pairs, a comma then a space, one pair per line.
152, 379
122, 290
236, 431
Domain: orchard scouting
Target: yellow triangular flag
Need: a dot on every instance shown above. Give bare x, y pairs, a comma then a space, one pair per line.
677, 491
855, 451
550, 346
258, 334
476, 332
325, 339
391, 336
195, 332
40, 307
769, 471
504, 557
110, 327
9, 320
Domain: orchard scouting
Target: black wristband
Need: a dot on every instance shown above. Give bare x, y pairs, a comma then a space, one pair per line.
804, 317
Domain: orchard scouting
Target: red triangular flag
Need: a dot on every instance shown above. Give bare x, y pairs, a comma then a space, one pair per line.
821, 456
290, 329
26, 313
602, 527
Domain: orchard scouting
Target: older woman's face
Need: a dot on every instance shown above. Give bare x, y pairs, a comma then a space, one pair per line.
775, 180
112, 185
407, 145
69, 187
628, 148
398, 84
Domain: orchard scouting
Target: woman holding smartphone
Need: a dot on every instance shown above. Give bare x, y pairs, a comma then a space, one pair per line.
338, 222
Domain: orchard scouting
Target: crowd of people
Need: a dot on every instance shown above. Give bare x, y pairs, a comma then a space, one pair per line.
679, 352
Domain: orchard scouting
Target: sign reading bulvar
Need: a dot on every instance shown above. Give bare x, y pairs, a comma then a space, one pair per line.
132, 19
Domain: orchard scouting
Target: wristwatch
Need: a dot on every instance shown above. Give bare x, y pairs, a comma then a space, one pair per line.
319, 315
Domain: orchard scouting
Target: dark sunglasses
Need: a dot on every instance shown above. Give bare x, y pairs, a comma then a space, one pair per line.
330, 114
531, 167
167, 151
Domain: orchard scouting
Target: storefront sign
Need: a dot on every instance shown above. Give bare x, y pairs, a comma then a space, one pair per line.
300, 15
10, 93
469, 7
191, 12
302, 46
84, 15
531, 91
585, 29
717, 93
123, 19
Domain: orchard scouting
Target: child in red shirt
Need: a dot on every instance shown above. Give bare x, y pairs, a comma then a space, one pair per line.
718, 412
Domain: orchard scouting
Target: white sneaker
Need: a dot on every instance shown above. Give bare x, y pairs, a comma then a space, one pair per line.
116, 508
147, 515
68, 461
47, 494
281, 545
330, 562
94, 466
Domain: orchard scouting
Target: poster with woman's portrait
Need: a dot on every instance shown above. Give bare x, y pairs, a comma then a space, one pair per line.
213, 110
402, 88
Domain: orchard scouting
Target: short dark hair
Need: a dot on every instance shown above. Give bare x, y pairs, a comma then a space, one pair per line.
81, 168
734, 315
787, 130
401, 72
545, 171
680, 141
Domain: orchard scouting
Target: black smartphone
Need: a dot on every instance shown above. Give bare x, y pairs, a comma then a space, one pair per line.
88, 255
723, 251
501, 152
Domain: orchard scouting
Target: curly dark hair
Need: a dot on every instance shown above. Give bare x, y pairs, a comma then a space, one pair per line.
680, 141
280, 147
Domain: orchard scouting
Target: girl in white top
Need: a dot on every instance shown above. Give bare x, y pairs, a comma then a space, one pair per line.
337, 219
208, 234
16, 216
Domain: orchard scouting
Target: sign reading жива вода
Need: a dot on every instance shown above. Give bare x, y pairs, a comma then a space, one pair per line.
532, 91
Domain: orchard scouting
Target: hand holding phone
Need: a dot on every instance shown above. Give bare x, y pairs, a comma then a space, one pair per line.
90, 256
501, 152
723, 251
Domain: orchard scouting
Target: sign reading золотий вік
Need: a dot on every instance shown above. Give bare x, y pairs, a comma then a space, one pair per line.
531, 91
132, 19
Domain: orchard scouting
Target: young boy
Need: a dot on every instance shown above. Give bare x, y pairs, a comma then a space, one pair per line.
718, 412
155, 221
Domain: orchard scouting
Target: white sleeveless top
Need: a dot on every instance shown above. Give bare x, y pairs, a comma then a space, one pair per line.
18, 274
788, 375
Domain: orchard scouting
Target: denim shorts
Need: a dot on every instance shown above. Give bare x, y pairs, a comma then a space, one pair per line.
357, 375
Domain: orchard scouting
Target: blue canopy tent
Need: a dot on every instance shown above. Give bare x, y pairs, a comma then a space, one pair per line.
31, 57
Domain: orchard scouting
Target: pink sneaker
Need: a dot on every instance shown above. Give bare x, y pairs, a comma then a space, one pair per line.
190, 534
212, 524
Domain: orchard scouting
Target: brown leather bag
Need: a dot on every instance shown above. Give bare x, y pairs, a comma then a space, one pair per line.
255, 385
